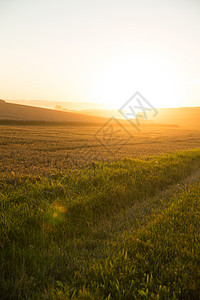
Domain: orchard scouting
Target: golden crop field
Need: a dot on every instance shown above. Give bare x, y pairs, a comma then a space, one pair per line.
37, 150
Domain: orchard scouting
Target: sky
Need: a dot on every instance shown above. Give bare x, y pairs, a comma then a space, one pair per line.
101, 51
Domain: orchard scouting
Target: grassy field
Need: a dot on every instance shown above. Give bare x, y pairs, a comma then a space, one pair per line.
124, 229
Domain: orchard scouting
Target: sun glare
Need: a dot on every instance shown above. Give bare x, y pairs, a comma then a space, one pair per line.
155, 78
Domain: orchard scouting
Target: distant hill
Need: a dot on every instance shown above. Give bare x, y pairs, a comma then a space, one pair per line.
17, 112
183, 116
76, 106
107, 113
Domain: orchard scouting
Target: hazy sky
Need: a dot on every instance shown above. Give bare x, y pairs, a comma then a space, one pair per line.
101, 51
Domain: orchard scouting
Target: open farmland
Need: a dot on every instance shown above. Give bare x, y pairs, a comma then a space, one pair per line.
122, 230
28, 150
89, 214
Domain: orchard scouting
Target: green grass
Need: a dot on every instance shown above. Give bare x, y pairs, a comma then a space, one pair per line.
160, 261
122, 230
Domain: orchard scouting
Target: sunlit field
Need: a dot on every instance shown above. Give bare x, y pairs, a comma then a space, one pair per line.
35, 150
108, 225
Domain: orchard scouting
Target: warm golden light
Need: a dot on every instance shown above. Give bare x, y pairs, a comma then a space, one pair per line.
153, 76
95, 52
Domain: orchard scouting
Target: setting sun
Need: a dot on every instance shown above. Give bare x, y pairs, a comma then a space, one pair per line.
100, 53
122, 75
